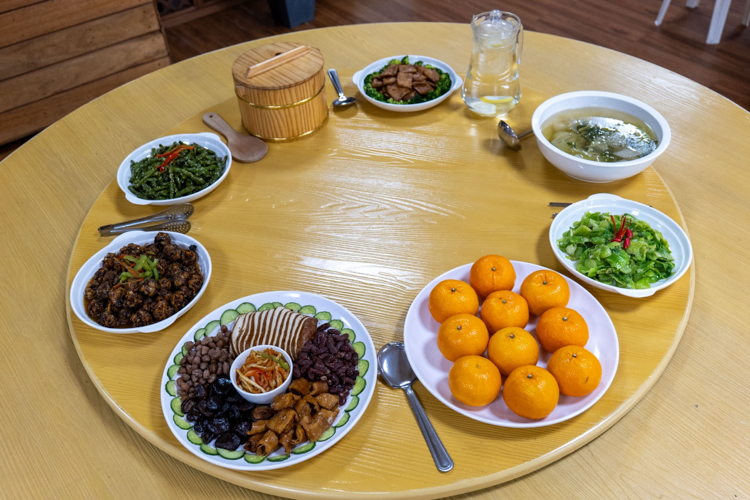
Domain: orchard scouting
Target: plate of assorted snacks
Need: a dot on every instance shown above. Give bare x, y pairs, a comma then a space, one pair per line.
407, 83
141, 282
311, 357
174, 169
620, 245
511, 343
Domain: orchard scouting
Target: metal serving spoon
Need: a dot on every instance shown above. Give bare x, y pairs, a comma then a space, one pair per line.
396, 371
342, 99
509, 137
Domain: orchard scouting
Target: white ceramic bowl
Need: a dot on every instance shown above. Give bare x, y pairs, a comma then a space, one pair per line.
266, 397
92, 265
679, 244
359, 81
593, 171
205, 139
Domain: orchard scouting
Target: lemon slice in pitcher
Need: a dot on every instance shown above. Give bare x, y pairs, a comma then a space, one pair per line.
495, 99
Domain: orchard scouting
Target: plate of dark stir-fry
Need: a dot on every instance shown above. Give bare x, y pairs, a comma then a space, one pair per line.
141, 282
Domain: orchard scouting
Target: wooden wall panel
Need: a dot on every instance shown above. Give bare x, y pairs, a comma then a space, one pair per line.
45, 17
66, 75
8, 5
70, 42
28, 119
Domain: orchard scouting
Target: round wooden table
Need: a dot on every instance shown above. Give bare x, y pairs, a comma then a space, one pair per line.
686, 436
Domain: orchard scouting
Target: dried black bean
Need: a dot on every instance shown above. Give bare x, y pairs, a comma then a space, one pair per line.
233, 397
228, 441
187, 405
200, 391
246, 407
203, 408
213, 404
323, 327
200, 426
207, 435
222, 386
242, 428
218, 425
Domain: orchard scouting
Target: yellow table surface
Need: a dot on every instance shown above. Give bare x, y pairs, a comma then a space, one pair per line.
685, 437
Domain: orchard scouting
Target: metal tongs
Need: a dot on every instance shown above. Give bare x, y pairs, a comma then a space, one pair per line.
174, 218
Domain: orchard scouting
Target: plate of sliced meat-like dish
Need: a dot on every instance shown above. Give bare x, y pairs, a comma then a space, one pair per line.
331, 361
407, 83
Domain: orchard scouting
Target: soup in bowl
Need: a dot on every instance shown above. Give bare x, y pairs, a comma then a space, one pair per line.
599, 136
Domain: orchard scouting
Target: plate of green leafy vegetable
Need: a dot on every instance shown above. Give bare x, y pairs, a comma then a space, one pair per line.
620, 245
174, 169
406, 83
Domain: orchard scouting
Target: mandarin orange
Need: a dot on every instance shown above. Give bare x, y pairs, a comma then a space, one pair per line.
503, 309
577, 371
531, 392
561, 326
511, 348
451, 297
474, 380
462, 335
492, 273
544, 290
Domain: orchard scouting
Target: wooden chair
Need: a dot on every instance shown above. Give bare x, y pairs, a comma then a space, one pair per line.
718, 19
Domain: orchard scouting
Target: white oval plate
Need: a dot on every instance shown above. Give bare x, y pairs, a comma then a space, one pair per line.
679, 243
359, 81
87, 271
321, 304
205, 139
431, 368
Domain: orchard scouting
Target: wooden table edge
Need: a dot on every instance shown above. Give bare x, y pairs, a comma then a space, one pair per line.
437, 492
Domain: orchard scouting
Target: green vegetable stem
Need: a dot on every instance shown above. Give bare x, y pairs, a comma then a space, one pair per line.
179, 171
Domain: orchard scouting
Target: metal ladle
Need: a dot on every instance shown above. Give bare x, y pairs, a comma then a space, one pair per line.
396, 371
342, 99
509, 137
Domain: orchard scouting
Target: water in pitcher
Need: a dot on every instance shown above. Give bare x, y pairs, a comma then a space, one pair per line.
491, 87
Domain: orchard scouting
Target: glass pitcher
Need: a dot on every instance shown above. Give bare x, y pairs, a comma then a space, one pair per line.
491, 86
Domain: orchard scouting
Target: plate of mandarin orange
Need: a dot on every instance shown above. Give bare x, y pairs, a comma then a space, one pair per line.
511, 344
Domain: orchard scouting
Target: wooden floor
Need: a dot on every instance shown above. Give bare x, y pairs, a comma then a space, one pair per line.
622, 25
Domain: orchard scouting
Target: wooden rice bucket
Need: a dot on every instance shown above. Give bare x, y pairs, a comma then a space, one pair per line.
281, 96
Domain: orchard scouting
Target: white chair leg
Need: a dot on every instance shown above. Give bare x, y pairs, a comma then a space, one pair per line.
746, 15
692, 3
719, 17
663, 12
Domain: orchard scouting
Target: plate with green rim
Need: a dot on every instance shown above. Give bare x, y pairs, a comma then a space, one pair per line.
325, 311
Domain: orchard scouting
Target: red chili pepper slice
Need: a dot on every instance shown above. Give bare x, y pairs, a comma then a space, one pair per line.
171, 155
623, 229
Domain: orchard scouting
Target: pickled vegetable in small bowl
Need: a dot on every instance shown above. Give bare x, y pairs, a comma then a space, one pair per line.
261, 373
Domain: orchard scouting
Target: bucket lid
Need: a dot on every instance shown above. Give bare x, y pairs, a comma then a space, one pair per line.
304, 65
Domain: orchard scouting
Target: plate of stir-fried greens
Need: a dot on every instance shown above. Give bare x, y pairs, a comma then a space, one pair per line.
175, 169
620, 245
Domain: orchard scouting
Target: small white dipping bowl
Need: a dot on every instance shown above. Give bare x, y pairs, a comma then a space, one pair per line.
359, 81
87, 271
594, 171
267, 397
679, 243
205, 139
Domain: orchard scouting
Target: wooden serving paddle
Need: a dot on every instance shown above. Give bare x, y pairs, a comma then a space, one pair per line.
244, 148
